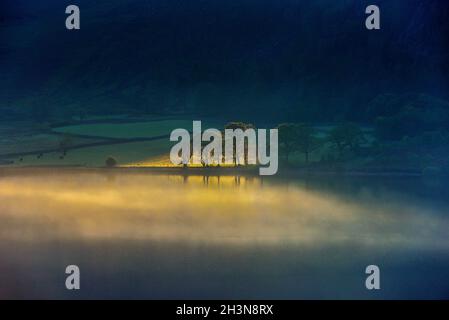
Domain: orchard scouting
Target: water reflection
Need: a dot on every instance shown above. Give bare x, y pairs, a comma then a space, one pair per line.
211, 209
145, 235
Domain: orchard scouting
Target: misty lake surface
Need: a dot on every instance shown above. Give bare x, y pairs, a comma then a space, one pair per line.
137, 234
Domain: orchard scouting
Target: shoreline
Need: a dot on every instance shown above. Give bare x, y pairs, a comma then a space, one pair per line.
214, 171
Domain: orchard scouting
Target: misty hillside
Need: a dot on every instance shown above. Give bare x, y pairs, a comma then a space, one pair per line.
277, 59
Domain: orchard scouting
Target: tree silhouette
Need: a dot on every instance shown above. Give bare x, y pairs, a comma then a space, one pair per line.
233, 126
307, 142
288, 139
297, 138
347, 135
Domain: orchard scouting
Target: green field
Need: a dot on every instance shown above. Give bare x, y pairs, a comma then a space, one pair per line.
142, 153
127, 130
136, 153
132, 153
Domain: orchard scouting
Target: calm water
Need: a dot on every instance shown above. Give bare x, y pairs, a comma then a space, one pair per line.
141, 235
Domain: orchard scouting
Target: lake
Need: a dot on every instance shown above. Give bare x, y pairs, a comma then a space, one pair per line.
138, 234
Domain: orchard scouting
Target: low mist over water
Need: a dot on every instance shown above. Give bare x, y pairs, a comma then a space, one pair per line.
140, 234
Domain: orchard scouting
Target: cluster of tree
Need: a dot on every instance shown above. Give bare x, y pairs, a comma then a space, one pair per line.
302, 138
297, 137
409, 115
238, 125
412, 130
346, 136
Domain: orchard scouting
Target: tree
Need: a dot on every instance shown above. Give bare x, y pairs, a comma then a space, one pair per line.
110, 162
346, 135
233, 126
287, 139
307, 142
297, 137
239, 125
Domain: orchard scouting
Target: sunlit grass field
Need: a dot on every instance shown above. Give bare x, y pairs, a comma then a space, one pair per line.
125, 154
140, 153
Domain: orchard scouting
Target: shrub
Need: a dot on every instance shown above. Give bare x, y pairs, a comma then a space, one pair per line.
110, 162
